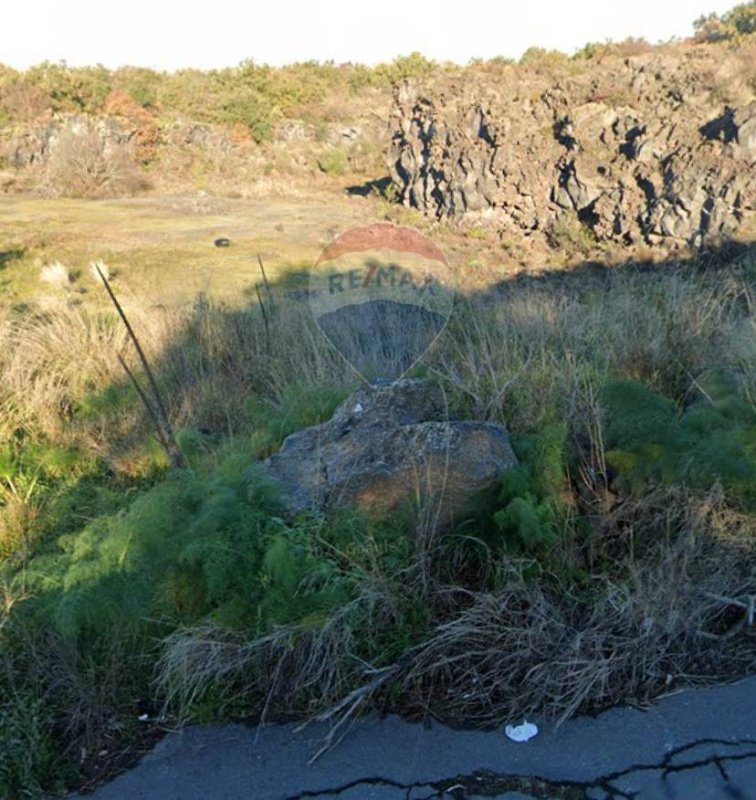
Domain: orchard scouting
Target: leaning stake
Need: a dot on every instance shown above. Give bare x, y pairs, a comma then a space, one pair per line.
164, 429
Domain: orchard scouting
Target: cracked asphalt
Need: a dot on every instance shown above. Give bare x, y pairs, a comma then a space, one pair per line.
694, 745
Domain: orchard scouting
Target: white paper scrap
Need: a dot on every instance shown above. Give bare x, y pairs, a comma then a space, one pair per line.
521, 733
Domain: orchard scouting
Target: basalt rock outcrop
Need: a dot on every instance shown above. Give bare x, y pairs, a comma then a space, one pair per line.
33, 146
389, 445
640, 150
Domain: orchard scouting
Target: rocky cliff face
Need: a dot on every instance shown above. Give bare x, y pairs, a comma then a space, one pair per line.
647, 149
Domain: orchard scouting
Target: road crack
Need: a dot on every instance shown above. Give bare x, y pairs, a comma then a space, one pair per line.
485, 783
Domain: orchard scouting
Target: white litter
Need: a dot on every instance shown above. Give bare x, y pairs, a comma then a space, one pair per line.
521, 733
357, 410
143, 717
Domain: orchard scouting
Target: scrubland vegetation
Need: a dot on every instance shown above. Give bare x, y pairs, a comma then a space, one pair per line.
616, 562
251, 94
598, 570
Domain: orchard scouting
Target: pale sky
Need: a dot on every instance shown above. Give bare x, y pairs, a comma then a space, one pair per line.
169, 34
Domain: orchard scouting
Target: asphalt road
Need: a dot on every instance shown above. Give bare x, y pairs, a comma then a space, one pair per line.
695, 745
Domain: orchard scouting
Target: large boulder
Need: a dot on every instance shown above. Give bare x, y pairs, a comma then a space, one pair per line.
389, 445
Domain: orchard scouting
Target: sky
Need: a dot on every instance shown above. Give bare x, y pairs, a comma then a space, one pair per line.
171, 34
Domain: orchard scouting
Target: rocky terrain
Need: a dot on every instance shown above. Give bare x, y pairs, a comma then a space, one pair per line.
658, 147
632, 145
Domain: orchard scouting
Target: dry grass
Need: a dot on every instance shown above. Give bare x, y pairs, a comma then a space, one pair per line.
535, 352
534, 647
530, 647
295, 669
56, 275
49, 359
521, 355
100, 268
209, 362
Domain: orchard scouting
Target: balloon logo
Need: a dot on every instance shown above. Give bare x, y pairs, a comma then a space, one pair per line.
381, 294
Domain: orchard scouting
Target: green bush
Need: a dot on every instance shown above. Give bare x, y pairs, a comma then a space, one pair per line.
739, 21
532, 514
540, 59
187, 547
333, 161
74, 89
299, 407
651, 441
140, 83
31, 472
300, 585
250, 107
568, 233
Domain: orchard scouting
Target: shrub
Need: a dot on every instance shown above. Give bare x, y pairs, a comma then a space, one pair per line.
631, 46
590, 50
80, 165
251, 108
531, 512
742, 18
650, 440
415, 65
146, 134
73, 89
139, 83
540, 59
333, 162
739, 21
28, 468
22, 101
569, 233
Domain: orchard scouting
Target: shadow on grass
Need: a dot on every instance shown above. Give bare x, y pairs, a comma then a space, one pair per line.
378, 187
220, 358
6, 256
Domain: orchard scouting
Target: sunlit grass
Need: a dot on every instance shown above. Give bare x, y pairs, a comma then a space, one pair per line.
161, 249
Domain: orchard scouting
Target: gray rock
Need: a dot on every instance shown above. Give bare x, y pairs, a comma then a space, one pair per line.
641, 161
745, 124
387, 445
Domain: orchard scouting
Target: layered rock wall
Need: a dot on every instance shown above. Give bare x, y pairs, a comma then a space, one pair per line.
641, 151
